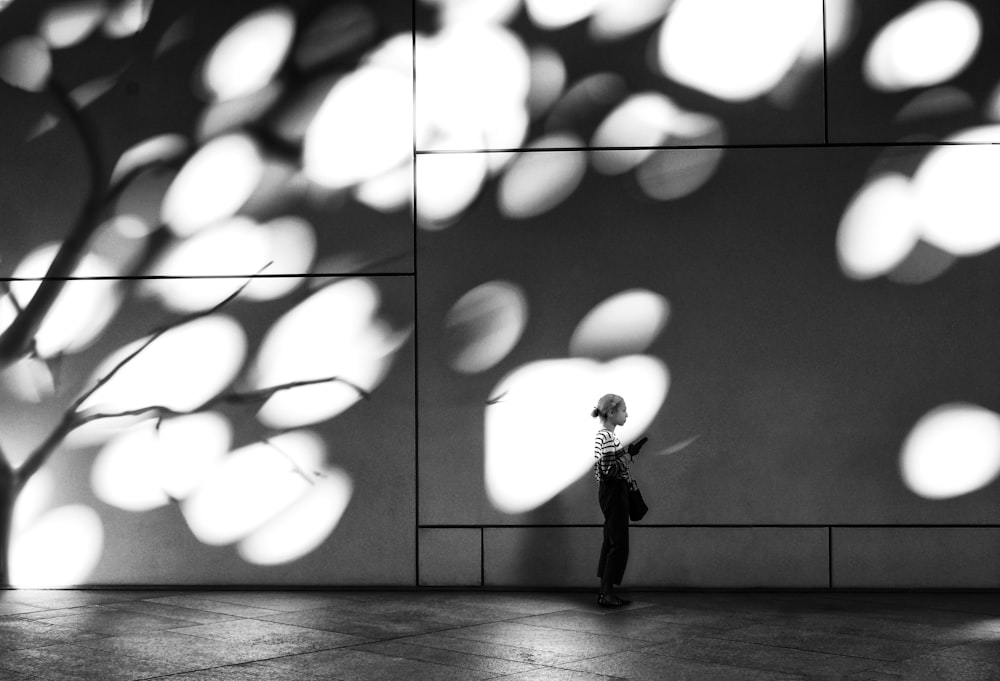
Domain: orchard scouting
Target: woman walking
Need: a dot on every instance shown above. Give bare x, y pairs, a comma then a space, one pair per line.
611, 469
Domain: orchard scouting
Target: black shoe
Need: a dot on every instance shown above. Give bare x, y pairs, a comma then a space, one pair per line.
609, 601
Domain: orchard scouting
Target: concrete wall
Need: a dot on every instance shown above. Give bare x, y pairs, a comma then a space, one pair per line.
791, 387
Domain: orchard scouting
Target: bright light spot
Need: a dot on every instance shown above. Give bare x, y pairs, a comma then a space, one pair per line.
560, 448
304, 525
642, 120
148, 465
158, 149
81, 311
627, 323
33, 500
617, 19
473, 77
389, 191
363, 128
956, 193
951, 451
127, 18
547, 80
238, 248
484, 325
29, 379
180, 370
446, 185
538, 181
26, 63
930, 43
70, 23
248, 56
555, 14
735, 49
61, 549
879, 228
213, 184
335, 333
252, 486
462, 11
840, 21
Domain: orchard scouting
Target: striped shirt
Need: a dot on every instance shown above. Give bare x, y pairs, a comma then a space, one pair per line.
609, 457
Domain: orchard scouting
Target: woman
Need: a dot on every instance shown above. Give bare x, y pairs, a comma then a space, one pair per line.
611, 471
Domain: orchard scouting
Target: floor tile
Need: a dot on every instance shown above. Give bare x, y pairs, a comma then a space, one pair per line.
827, 642
450, 658
211, 605
532, 656
75, 663
618, 624
170, 646
932, 668
271, 636
643, 666
355, 665
546, 639
16, 634
764, 657
109, 622
357, 623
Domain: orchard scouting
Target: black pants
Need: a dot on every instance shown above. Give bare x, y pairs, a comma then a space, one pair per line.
613, 497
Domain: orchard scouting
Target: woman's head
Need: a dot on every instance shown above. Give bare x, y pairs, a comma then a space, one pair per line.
611, 407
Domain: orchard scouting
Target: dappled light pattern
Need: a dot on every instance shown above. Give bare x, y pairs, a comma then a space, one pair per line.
82, 311
447, 184
60, 549
156, 462
949, 204
265, 495
304, 524
484, 325
239, 248
557, 450
554, 14
127, 18
627, 323
29, 379
337, 30
618, 19
362, 129
736, 49
928, 44
152, 151
69, 23
26, 63
180, 370
334, 334
879, 228
956, 193
474, 82
951, 451
537, 182
215, 182
247, 58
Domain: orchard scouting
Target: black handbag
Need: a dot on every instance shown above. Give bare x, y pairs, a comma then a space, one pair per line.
637, 508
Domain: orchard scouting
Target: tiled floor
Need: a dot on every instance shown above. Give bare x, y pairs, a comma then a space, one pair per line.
465, 636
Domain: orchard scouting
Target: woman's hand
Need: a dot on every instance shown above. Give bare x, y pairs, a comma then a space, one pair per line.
633, 449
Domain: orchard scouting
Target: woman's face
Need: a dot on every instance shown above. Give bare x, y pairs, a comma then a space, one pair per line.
619, 415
